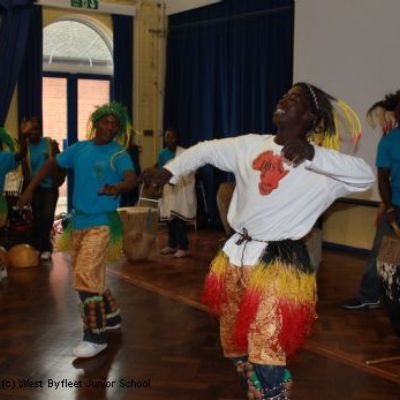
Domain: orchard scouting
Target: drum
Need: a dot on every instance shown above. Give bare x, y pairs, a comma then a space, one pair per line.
23, 256
13, 183
388, 268
140, 229
224, 196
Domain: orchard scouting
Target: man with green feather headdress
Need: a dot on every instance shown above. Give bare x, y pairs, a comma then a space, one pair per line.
102, 171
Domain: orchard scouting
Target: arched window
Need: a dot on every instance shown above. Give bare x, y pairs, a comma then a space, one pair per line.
77, 45
77, 76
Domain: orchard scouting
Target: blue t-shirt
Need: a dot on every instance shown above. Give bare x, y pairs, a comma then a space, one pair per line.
388, 156
39, 154
7, 164
164, 156
94, 166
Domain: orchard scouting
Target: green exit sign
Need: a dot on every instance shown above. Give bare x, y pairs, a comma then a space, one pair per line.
92, 4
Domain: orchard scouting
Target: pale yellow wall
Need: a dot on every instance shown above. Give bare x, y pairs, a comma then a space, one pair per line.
350, 225
149, 76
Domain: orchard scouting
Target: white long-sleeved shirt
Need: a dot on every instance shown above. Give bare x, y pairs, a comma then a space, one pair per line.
290, 210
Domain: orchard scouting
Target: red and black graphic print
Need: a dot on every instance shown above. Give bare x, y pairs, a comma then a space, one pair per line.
272, 171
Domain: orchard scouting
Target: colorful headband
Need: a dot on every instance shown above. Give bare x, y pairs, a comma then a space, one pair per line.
313, 96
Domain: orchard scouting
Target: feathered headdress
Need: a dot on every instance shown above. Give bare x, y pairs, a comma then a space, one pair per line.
120, 112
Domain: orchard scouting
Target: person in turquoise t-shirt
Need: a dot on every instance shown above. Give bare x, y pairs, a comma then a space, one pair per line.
168, 152
102, 170
178, 243
388, 165
45, 197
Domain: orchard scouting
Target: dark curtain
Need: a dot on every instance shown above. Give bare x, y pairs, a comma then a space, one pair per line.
123, 60
30, 76
227, 66
14, 27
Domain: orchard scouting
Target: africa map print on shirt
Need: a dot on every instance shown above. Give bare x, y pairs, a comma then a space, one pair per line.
272, 171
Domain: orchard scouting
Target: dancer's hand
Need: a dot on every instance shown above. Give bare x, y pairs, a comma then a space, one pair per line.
155, 177
297, 151
109, 190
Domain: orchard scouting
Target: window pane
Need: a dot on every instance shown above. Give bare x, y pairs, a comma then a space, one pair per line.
91, 93
55, 122
76, 46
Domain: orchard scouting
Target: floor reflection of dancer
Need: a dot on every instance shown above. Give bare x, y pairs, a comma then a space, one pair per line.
102, 171
261, 284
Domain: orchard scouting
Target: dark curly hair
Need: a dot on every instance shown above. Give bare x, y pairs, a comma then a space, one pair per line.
321, 106
390, 102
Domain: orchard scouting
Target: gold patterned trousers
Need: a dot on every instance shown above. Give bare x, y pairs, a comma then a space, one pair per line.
89, 256
263, 345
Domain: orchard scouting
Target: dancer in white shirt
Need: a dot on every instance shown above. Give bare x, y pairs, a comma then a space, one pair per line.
261, 284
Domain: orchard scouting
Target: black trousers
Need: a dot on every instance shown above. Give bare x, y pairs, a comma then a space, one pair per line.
44, 204
177, 234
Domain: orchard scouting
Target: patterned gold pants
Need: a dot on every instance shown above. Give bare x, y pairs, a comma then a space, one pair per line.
89, 256
263, 346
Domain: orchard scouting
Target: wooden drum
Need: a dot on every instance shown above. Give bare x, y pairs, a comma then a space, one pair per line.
388, 268
140, 229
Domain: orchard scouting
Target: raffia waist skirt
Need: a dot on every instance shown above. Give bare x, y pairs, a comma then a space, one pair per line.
266, 310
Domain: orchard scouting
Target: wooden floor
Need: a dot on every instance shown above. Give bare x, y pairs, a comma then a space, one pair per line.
169, 347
